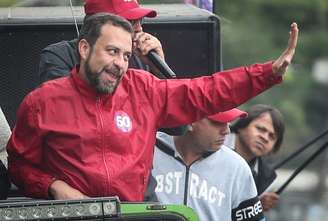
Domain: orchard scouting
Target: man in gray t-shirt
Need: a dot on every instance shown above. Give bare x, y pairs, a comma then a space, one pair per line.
195, 169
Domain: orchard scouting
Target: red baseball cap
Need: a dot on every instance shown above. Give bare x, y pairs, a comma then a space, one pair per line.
228, 116
128, 9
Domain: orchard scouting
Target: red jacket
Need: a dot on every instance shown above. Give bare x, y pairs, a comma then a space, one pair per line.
103, 145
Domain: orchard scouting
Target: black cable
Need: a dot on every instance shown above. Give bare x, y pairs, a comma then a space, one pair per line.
301, 149
299, 169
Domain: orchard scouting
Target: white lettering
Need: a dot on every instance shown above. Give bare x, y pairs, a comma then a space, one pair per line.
249, 212
160, 183
239, 215
221, 197
199, 188
212, 193
244, 212
258, 207
168, 182
203, 190
178, 176
194, 181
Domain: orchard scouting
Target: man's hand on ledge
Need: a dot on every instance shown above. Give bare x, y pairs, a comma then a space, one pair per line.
60, 190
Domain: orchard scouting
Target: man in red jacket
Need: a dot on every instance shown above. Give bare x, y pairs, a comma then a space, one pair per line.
92, 133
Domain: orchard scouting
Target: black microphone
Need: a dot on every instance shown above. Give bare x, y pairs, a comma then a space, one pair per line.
160, 64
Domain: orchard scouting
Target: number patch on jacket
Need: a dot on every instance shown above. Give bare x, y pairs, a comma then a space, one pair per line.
123, 121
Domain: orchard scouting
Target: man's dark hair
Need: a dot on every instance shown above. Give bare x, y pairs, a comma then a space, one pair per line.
256, 111
92, 25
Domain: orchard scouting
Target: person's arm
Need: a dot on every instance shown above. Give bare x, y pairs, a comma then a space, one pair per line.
25, 155
245, 198
269, 200
59, 190
280, 65
184, 101
57, 60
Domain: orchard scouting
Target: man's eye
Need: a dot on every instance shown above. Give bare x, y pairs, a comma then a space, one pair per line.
127, 57
261, 129
112, 51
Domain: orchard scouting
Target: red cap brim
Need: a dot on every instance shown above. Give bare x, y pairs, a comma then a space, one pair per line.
138, 13
228, 116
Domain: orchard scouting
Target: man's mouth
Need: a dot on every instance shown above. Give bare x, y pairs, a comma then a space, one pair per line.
259, 146
219, 142
112, 74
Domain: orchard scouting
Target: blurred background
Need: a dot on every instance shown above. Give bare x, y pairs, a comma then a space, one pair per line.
257, 31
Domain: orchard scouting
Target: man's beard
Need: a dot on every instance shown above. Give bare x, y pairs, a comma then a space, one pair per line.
95, 78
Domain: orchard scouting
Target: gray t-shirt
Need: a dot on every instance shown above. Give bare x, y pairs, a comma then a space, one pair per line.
219, 186
4, 137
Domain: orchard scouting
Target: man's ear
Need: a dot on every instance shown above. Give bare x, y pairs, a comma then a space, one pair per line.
84, 49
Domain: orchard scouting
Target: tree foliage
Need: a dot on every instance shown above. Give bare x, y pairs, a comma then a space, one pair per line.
255, 31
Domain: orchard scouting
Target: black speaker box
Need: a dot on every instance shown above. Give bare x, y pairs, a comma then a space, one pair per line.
190, 38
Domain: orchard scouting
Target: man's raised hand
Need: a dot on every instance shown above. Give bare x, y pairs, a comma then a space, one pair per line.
280, 65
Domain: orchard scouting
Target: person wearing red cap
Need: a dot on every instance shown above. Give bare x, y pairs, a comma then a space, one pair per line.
128, 9
197, 170
58, 59
92, 133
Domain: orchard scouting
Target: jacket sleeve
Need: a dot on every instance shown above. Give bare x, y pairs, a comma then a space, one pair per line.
57, 60
183, 101
246, 205
25, 153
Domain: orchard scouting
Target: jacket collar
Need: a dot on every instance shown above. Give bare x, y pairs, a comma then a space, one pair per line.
265, 175
84, 87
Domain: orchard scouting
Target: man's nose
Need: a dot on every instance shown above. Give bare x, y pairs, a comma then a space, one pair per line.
119, 61
137, 27
225, 129
265, 136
